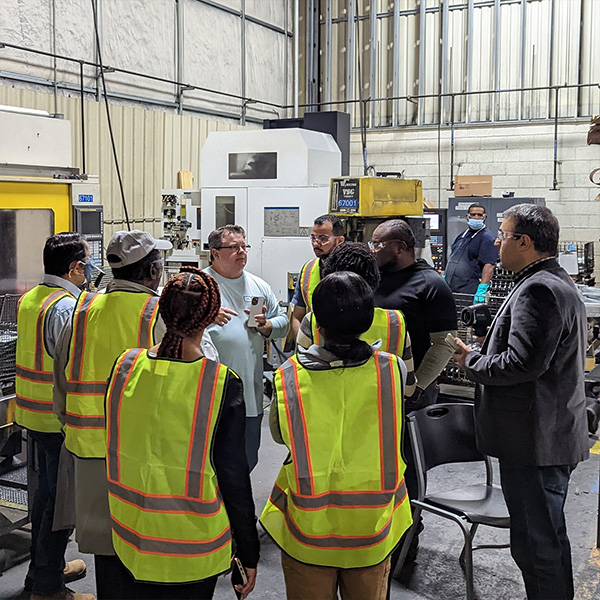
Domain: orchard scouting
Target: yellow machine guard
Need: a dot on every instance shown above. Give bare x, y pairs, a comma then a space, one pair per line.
32, 195
375, 197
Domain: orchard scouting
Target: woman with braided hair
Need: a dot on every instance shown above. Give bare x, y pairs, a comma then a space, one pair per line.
179, 486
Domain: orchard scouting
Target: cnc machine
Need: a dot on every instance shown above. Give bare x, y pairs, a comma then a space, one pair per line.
273, 183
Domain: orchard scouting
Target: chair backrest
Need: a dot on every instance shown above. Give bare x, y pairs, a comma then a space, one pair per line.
445, 433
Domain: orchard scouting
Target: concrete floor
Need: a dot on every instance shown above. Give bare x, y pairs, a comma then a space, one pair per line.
437, 574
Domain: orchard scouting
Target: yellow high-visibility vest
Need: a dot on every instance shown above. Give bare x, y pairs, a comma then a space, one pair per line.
310, 277
33, 383
103, 326
341, 500
169, 523
388, 326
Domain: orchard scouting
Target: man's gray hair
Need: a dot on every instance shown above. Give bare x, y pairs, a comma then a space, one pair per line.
538, 223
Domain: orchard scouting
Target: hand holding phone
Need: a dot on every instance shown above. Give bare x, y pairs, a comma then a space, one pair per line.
242, 579
256, 308
449, 339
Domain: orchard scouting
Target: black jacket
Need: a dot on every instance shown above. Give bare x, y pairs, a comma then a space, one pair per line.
531, 408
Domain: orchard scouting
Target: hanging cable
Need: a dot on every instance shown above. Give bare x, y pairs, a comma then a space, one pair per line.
362, 103
108, 118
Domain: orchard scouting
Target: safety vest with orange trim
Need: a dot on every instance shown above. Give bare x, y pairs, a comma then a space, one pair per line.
388, 326
310, 276
34, 366
103, 326
341, 500
169, 523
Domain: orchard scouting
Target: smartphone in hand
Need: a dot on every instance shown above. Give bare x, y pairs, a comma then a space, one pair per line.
238, 575
256, 308
450, 341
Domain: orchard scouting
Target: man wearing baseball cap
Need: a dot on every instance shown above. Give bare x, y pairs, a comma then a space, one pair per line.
104, 325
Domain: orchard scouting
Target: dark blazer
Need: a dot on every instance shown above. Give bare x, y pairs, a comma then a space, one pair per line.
531, 407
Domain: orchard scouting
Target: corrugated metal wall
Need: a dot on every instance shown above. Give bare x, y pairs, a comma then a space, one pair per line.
429, 47
243, 49
151, 145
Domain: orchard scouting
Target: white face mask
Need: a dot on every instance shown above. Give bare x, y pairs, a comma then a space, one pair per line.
476, 223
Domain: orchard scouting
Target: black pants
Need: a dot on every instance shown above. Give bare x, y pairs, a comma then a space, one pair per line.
47, 546
115, 582
535, 497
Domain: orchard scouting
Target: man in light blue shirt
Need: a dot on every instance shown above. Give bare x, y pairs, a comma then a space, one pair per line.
241, 346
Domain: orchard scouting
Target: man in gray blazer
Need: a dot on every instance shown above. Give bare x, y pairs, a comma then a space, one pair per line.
530, 407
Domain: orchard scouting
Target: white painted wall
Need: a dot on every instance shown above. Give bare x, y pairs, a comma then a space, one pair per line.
519, 158
143, 36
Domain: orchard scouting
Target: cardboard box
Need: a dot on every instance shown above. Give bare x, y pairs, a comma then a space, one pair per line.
472, 185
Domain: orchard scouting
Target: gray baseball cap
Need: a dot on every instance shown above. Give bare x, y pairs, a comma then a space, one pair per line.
130, 246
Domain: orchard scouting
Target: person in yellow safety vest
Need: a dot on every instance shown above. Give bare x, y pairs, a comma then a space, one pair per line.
389, 326
339, 504
42, 314
103, 325
179, 484
327, 233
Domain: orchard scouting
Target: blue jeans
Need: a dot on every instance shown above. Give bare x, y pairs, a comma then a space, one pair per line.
535, 497
47, 546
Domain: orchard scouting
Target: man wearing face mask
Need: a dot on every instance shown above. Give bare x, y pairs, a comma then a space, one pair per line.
43, 313
103, 326
473, 257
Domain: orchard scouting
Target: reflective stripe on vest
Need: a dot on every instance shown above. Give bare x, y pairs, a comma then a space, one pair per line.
333, 541
343, 505
103, 326
34, 366
310, 276
388, 326
172, 526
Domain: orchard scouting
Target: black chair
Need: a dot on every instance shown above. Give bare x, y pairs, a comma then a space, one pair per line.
442, 434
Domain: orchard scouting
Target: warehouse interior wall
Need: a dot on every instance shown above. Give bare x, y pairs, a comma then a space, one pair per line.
417, 62
239, 48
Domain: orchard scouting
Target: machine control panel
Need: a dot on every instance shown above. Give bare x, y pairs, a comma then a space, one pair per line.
438, 233
89, 222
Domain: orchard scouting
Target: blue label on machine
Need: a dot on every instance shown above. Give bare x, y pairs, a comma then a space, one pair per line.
345, 195
348, 203
86, 198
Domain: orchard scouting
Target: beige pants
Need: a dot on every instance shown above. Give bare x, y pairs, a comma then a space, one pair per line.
310, 582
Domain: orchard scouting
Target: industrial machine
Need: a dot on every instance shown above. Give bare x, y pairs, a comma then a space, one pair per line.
180, 224
365, 202
41, 193
274, 183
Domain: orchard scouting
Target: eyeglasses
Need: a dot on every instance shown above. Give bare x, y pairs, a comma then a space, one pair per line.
236, 248
504, 235
376, 246
321, 240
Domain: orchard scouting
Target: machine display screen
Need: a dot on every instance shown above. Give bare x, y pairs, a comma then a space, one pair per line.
253, 165
434, 221
91, 222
